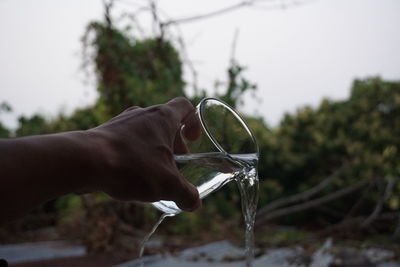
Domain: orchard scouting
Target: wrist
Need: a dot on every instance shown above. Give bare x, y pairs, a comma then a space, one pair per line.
86, 161
99, 148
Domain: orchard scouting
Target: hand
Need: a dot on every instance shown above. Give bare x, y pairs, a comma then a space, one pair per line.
130, 158
137, 149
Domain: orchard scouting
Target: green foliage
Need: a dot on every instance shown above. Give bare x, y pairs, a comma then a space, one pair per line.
206, 224
80, 119
69, 202
133, 72
284, 237
184, 225
129, 72
311, 144
306, 147
4, 108
237, 85
34, 125
4, 132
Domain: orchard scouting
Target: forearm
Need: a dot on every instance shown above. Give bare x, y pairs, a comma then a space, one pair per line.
39, 168
130, 157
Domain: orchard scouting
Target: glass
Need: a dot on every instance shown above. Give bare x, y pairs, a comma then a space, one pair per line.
225, 149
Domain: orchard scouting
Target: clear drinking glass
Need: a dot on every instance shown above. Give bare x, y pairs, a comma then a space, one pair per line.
225, 150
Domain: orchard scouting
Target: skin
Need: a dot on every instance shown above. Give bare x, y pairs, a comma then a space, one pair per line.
129, 157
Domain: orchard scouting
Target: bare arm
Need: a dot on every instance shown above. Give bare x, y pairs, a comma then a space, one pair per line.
39, 168
130, 158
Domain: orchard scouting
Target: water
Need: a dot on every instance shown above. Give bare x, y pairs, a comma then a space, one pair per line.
248, 188
147, 237
210, 171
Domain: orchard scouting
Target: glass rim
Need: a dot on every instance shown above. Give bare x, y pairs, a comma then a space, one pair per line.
201, 106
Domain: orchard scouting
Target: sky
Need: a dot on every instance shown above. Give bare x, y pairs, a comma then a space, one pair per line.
296, 55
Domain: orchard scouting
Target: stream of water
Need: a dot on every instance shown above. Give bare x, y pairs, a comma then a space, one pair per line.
221, 169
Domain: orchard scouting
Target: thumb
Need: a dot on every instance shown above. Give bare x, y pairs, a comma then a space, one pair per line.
185, 195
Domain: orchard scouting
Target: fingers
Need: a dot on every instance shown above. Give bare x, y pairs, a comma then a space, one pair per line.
131, 108
188, 117
181, 106
191, 202
192, 127
179, 145
186, 195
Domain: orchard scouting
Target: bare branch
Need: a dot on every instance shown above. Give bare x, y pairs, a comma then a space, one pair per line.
378, 208
355, 222
130, 3
280, 4
156, 21
396, 233
304, 195
184, 53
358, 204
261, 219
190, 66
228, 9
234, 44
162, 25
108, 5
210, 14
135, 21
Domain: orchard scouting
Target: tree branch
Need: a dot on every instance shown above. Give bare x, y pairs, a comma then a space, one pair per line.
358, 204
210, 14
263, 218
378, 208
303, 195
228, 9
234, 45
396, 233
355, 222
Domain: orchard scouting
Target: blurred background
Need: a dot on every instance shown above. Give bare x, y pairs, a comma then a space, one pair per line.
317, 80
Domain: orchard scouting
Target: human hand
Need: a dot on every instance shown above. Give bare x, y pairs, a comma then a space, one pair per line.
136, 151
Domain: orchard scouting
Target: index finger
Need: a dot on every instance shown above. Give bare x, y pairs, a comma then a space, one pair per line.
182, 106
188, 117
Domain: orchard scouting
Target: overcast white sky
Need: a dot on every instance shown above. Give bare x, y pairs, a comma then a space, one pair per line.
296, 56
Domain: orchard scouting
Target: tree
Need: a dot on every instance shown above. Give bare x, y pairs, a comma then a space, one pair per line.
360, 132
132, 72
4, 108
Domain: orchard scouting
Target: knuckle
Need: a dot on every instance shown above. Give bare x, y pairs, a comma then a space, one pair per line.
166, 111
131, 108
183, 101
163, 111
165, 117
